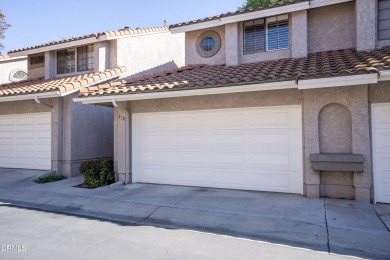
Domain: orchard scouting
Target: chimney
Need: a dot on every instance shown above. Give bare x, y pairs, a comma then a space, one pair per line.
165, 22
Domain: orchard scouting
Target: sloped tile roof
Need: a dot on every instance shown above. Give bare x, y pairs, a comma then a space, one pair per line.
4, 57
63, 84
217, 17
123, 32
316, 65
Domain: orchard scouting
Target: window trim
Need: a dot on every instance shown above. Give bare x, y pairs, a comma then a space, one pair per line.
14, 71
76, 72
266, 22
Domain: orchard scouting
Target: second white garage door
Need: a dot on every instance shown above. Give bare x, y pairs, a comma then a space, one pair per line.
250, 149
381, 151
25, 141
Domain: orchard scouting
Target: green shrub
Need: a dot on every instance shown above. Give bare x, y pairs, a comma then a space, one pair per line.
49, 179
98, 173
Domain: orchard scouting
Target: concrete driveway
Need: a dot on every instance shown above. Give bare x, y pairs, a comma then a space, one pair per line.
327, 225
14, 176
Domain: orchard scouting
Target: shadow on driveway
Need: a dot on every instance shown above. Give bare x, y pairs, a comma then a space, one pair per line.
334, 226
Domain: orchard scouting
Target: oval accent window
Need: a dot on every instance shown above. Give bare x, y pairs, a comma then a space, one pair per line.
208, 44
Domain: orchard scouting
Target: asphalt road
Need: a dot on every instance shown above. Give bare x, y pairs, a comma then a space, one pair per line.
31, 234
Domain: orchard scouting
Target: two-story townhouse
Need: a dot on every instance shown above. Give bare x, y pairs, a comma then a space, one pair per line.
12, 69
42, 128
292, 97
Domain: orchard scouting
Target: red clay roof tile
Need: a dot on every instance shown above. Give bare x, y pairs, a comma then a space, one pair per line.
122, 32
63, 84
316, 65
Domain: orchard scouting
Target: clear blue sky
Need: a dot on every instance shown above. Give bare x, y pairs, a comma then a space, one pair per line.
35, 22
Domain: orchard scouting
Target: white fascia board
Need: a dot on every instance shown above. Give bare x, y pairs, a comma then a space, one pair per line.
133, 35
60, 46
30, 96
196, 26
186, 93
13, 58
338, 81
320, 3
243, 17
384, 75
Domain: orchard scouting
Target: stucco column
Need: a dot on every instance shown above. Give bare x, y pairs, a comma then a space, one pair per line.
102, 56
365, 13
311, 144
57, 135
50, 64
122, 143
299, 34
232, 46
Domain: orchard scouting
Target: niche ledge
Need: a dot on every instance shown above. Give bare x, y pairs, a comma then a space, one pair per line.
343, 162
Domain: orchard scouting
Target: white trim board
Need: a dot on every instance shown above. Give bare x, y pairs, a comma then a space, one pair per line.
302, 84
184, 93
53, 93
257, 14
338, 81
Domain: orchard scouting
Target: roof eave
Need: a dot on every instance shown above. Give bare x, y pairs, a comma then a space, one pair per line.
351, 80
58, 46
185, 93
256, 14
51, 94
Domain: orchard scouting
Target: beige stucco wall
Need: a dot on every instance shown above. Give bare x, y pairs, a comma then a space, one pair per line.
192, 57
91, 134
150, 53
331, 27
8, 67
79, 132
380, 92
355, 99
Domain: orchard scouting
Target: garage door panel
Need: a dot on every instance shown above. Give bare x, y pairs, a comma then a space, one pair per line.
383, 164
23, 121
276, 139
156, 157
190, 157
192, 138
25, 141
5, 160
188, 122
190, 176
227, 137
221, 178
152, 123
382, 140
233, 148
381, 151
6, 147
24, 134
226, 121
227, 158
22, 148
156, 140
6, 122
156, 174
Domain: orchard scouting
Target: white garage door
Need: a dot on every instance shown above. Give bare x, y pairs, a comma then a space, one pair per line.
381, 151
25, 141
251, 148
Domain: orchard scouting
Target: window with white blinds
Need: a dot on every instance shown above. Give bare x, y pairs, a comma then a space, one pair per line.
267, 34
384, 20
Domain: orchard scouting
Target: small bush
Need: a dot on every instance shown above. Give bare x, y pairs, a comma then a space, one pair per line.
49, 179
98, 173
